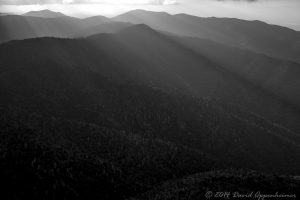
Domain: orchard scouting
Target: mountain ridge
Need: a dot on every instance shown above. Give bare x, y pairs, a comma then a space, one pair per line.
253, 35
256, 36
44, 13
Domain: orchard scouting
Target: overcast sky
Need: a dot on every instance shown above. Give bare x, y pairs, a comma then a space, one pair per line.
281, 12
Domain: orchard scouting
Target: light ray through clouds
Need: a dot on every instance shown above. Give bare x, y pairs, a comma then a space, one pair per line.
264, 10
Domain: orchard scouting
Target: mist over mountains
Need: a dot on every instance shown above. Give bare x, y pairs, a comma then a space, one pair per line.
146, 103
257, 36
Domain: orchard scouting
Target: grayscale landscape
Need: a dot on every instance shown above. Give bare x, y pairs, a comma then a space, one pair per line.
147, 105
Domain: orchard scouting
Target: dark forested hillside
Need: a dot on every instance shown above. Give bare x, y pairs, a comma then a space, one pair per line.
278, 76
75, 159
54, 158
125, 139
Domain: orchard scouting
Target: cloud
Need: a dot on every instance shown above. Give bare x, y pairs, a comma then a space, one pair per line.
170, 2
41, 2
239, 0
28, 2
67, 1
140, 2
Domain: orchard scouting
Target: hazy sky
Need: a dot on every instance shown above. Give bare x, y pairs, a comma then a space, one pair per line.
281, 12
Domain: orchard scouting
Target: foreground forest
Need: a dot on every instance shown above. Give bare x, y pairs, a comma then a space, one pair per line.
114, 141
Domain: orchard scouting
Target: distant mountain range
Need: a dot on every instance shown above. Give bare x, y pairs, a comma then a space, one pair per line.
44, 14
256, 36
147, 106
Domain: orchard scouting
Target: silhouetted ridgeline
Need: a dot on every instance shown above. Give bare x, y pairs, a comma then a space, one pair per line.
257, 36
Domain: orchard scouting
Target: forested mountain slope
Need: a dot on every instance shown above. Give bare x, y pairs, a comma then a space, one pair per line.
50, 83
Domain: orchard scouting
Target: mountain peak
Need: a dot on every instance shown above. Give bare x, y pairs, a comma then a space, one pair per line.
140, 12
147, 11
95, 20
138, 28
44, 13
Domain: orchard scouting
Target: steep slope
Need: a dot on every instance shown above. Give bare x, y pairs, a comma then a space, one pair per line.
61, 78
278, 76
44, 14
217, 79
257, 36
